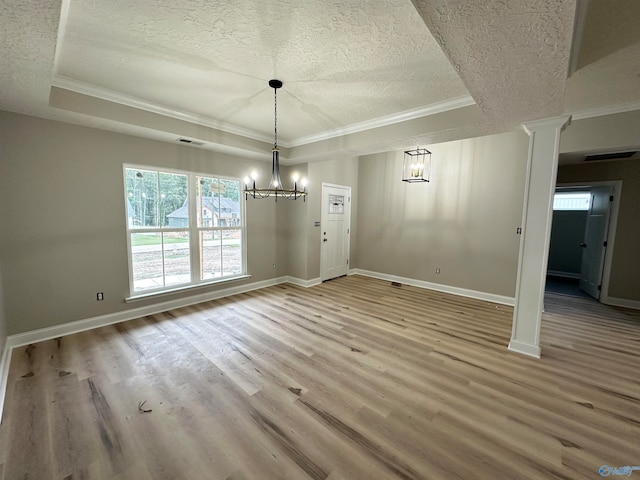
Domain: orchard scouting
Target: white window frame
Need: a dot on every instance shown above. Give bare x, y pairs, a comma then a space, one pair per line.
193, 230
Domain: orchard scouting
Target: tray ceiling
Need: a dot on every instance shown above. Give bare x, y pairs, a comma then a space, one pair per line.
155, 67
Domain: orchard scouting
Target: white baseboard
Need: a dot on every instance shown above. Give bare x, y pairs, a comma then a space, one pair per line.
304, 283
489, 297
524, 348
5, 360
557, 273
56, 331
621, 302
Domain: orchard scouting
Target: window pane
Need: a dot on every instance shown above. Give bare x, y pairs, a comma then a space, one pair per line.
230, 203
142, 195
210, 254
173, 207
146, 258
159, 260
208, 202
218, 202
231, 252
177, 263
572, 201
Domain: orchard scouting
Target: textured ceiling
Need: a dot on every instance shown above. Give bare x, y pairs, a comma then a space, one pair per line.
28, 32
511, 54
358, 76
341, 63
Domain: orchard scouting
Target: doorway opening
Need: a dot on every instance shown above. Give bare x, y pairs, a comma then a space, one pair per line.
582, 239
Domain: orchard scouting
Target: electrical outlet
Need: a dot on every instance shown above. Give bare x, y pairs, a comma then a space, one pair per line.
100, 296
274, 266
437, 270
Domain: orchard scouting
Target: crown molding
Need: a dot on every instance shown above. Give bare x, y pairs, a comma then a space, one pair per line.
608, 110
130, 101
553, 122
407, 115
83, 88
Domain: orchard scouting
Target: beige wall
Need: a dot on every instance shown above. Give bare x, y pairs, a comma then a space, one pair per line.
63, 218
343, 171
3, 318
62, 207
464, 221
624, 279
292, 218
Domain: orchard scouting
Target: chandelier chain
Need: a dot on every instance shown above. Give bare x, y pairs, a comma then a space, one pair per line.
275, 118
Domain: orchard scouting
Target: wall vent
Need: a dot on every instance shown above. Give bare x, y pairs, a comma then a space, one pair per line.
609, 156
190, 142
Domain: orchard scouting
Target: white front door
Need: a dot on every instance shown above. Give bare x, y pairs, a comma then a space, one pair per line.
335, 218
595, 237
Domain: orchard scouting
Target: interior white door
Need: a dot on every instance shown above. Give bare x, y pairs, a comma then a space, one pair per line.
335, 219
595, 237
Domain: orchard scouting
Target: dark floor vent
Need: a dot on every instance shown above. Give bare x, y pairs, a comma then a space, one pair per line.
609, 156
396, 284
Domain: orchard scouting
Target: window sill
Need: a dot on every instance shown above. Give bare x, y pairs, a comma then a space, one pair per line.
185, 288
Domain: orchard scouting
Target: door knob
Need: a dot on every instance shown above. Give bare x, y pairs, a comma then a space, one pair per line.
324, 239
583, 245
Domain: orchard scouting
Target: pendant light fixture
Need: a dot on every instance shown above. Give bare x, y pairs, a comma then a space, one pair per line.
275, 188
417, 165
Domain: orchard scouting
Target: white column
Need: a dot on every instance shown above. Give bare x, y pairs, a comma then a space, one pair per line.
542, 170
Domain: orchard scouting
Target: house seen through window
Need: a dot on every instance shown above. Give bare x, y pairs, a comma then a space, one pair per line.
183, 229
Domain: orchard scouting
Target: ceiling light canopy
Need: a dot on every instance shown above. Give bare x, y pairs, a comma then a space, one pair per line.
275, 187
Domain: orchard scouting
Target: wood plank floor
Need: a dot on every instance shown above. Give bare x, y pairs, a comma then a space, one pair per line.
351, 379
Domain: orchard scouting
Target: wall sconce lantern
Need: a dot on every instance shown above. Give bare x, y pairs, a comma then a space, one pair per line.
417, 165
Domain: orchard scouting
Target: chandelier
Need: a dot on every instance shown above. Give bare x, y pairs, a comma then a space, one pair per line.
417, 165
275, 188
